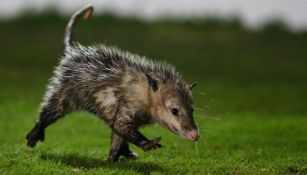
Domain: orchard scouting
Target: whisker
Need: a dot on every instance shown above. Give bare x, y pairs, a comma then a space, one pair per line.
201, 123
209, 128
214, 118
206, 134
198, 108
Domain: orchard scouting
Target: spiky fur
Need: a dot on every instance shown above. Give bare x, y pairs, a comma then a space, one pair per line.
118, 87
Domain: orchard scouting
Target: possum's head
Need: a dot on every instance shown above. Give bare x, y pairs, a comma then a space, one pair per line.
172, 101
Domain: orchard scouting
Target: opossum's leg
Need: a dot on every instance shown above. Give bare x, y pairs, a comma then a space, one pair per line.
119, 147
127, 129
51, 111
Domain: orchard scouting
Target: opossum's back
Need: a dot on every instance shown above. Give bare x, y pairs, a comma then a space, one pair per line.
81, 73
109, 65
90, 65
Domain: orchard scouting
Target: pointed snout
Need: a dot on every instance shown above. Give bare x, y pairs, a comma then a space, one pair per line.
194, 135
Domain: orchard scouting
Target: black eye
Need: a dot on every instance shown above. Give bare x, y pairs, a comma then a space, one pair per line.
175, 111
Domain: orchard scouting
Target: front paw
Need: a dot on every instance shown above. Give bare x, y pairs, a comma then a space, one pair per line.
151, 144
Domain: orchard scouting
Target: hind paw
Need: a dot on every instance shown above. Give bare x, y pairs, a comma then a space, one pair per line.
34, 136
131, 156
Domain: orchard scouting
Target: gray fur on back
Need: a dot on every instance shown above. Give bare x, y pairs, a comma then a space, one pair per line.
86, 69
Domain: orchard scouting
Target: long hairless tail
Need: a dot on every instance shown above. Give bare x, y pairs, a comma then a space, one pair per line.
87, 12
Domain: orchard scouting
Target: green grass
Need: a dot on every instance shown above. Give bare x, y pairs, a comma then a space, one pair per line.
252, 92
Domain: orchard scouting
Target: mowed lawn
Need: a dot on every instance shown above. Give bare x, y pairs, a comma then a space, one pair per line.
250, 104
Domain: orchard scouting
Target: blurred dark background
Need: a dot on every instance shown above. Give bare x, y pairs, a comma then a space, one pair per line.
238, 69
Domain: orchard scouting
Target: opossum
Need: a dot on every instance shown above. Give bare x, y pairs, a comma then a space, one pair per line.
125, 90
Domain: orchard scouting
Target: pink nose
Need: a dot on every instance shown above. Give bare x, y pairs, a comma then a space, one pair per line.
195, 136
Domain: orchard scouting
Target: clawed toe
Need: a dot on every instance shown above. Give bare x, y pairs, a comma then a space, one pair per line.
34, 136
131, 156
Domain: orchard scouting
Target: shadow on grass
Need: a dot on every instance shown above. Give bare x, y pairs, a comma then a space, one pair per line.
84, 162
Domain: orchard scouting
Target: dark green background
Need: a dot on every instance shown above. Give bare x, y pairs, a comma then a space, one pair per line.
251, 98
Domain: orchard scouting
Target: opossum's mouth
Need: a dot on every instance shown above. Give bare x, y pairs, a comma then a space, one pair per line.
188, 135
174, 129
